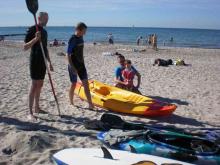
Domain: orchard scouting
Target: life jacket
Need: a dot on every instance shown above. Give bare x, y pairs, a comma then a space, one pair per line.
128, 76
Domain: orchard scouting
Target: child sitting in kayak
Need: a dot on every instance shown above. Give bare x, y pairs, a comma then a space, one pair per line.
128, 75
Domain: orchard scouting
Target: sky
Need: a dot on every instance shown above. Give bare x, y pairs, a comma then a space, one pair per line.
203, 14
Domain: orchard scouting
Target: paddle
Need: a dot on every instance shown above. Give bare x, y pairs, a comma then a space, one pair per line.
117, 121
32, 6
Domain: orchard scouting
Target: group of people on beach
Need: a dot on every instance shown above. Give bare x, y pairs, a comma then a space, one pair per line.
56, 43
151, 40
76, 65
124, 74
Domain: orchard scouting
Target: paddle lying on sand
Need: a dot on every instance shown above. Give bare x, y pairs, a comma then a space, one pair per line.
32, 6
117, 121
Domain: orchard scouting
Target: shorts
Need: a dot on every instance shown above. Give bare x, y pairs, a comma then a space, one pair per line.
37, 69
82, 73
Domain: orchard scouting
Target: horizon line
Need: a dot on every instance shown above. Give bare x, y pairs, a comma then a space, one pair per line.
117, 27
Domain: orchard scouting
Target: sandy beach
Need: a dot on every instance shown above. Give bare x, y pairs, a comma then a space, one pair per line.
194, 89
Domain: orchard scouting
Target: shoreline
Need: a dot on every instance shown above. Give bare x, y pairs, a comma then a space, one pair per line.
117, 44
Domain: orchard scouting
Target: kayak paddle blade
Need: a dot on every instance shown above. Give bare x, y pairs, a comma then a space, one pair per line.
32, 6
112, 119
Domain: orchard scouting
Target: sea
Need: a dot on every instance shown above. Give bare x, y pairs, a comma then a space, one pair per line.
182, 37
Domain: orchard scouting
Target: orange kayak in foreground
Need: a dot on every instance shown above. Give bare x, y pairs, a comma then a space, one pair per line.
122, 101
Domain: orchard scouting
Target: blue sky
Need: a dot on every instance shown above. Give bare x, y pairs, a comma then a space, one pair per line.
143, 13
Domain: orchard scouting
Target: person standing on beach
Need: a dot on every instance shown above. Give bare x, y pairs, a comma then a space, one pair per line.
139, 40
76, 65
154, 41
37, 64
171, 39
110, 38
149, 39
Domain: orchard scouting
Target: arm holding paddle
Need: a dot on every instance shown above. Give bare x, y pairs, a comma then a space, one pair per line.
31, 43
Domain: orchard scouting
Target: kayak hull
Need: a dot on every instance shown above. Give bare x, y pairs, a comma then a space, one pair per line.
153, 148
122, 101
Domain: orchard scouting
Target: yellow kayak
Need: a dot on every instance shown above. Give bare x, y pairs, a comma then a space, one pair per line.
119, 100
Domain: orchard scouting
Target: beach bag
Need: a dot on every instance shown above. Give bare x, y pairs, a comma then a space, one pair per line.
179, 62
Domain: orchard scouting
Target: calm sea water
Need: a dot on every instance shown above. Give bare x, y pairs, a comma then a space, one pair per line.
128, 35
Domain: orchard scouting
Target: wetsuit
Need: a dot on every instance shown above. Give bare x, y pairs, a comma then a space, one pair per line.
37, 64
75, 50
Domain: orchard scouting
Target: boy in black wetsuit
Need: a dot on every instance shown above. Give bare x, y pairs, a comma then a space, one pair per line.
76, 64
37, 64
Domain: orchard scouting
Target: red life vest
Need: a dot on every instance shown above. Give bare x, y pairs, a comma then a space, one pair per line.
128, 76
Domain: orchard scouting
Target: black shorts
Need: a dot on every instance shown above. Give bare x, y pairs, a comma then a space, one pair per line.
37, 68
82, 73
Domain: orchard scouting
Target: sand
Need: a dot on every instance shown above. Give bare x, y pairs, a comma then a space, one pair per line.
194, 89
